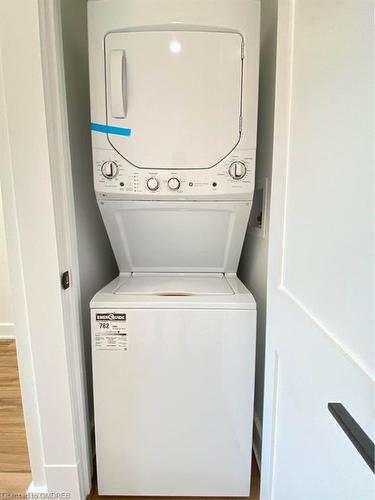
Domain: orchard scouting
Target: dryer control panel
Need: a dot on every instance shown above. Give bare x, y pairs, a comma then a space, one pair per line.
114, 177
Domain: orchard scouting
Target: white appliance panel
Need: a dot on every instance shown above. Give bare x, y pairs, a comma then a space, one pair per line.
175, 236
134, 183
173, 412
179, 92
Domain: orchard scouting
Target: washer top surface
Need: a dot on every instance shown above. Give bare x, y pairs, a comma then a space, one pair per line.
174, 291
175, 285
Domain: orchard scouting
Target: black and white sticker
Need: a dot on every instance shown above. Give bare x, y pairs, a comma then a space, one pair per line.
111, 331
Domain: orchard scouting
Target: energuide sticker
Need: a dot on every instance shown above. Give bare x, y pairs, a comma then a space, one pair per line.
111, 331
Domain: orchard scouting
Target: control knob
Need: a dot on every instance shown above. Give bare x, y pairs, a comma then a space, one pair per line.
237, 170
173, 183
109, 169
152, 184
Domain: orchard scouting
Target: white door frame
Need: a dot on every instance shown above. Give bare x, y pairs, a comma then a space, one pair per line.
283, 89
41, 240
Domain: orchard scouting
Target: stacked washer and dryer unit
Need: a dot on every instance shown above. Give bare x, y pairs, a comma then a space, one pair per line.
174, 113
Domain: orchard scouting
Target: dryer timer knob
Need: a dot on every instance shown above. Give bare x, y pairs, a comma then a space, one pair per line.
152, 184
173, 183
237, 170
109, 169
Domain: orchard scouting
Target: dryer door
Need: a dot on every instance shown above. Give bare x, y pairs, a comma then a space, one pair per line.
177, 94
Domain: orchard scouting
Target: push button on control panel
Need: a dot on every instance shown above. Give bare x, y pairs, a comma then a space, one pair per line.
152, 184
109, 169
173, 183
237, 170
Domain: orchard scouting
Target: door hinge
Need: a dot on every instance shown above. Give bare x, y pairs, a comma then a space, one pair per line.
242, 50
240, 124
65, 280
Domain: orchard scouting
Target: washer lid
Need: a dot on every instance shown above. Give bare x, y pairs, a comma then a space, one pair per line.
176, 236
175, 285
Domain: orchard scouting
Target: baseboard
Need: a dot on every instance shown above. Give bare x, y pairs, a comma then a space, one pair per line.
34, 491
7, 331
62, 481
257, 439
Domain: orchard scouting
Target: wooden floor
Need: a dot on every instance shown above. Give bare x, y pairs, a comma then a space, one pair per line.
15, 474
254, 494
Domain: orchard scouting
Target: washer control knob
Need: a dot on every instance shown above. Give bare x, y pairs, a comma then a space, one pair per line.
152, 184
173, 183
237, 170
109, 169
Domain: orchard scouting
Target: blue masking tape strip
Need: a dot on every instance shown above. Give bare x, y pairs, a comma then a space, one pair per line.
106, 129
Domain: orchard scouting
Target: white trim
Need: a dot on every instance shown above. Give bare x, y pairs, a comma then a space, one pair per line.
36, 490
66, 478
7, 331
62, 187
63, 479
284, 56
288, 90
269, 427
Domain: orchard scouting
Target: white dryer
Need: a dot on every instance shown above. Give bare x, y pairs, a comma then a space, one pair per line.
173, 89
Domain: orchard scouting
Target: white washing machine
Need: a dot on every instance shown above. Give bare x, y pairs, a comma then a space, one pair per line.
173, 383
173, 89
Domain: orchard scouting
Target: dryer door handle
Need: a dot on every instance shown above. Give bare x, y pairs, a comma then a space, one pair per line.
117, 83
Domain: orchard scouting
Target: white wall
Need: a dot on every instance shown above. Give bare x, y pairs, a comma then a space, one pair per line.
253, 264
97, 265
6, 316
